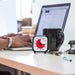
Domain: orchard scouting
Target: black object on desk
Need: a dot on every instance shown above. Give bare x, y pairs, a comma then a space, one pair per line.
72, 47
56, 38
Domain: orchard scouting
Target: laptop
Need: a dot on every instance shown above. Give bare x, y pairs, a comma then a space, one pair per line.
51, 16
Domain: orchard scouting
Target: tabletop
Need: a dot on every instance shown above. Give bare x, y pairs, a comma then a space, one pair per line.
39, 63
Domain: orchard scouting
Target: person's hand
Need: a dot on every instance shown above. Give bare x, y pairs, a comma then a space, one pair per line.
11, 35
19, 41
27, 38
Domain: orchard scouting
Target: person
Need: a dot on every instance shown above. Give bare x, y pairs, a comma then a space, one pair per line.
18, 40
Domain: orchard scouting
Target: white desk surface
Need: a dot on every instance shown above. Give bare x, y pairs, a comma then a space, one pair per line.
38, 64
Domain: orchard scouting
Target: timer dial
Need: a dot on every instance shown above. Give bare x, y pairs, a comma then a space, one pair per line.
40, 44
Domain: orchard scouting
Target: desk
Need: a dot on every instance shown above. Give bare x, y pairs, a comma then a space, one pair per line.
38, 64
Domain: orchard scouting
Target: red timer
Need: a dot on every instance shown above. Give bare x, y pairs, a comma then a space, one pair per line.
40, 44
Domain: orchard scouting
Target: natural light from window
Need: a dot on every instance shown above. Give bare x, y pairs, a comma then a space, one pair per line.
23, 9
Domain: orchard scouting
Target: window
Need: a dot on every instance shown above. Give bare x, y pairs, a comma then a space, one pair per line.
23, 13
23, 9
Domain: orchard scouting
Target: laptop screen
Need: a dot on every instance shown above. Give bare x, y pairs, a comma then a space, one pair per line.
52, 17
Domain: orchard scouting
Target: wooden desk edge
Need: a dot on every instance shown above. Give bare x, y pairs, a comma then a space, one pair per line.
26, 68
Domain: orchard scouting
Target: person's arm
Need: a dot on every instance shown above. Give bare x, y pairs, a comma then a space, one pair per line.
3, 43
17, 41
11, 35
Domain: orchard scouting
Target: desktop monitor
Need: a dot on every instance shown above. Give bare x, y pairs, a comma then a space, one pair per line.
52, 17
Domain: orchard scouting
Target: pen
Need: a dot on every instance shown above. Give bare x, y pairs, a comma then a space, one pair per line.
67, 59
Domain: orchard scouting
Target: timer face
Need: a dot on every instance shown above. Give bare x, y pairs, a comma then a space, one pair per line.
40, 43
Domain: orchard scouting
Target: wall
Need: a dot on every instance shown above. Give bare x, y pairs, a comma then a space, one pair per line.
23, 9
70, 25
8, 23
